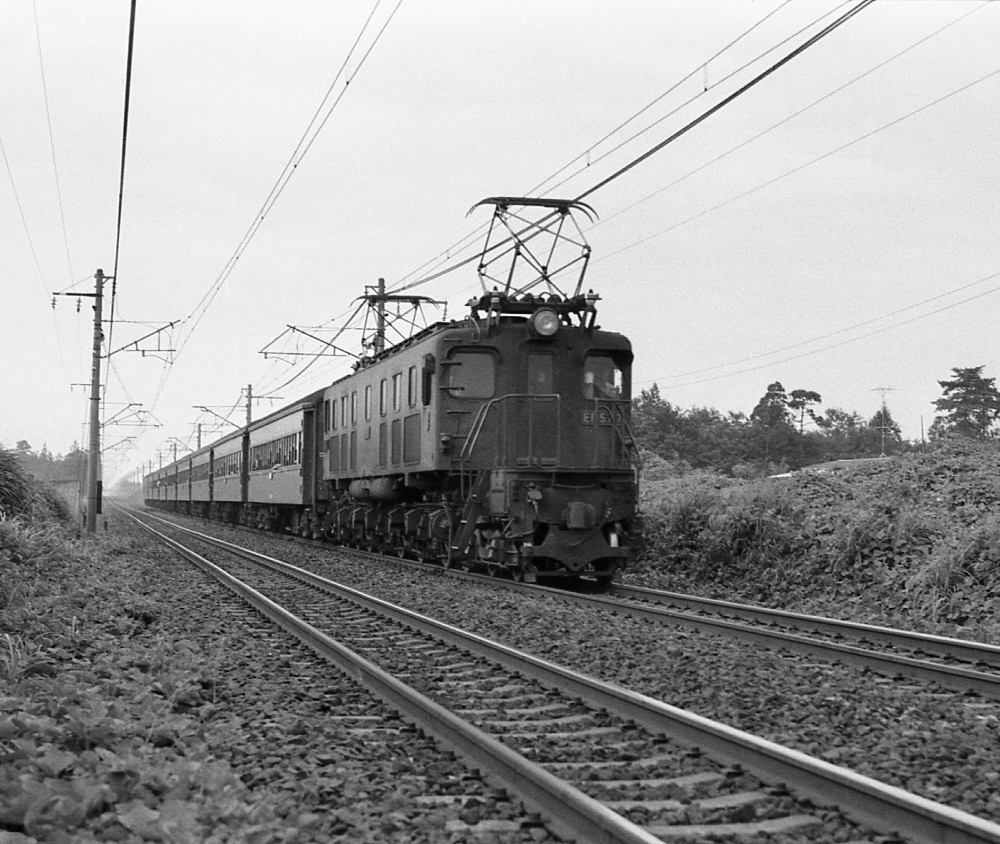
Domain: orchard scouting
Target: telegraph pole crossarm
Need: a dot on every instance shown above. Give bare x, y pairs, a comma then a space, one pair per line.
225, 421
337, 351
114, 419
134, 345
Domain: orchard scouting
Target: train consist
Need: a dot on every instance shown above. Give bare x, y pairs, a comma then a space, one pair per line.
498, 442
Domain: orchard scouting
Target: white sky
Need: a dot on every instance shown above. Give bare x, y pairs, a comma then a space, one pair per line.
459, 101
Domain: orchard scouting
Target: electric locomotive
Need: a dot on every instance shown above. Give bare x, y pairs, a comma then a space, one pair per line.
499, 442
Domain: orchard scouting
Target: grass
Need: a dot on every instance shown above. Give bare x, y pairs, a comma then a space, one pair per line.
913, 541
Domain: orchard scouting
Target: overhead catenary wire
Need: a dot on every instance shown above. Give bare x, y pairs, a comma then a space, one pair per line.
313, 370
24, 220
52, 142
760, 77
302, 148
591, 162
306, 141
803, 166
847, 341
683, 130
121, 177
467, 240
747, 86
609, 217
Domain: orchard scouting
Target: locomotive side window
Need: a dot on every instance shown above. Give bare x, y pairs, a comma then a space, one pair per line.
472, 375
540, 373
343, 411
397, 391
382, 396
411, 386
354, 408
602, 379
368, 402
427, 379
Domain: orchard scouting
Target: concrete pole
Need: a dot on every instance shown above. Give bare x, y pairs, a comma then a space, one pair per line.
94, 455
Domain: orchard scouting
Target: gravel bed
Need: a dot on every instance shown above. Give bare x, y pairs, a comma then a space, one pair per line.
177, 714
941, 745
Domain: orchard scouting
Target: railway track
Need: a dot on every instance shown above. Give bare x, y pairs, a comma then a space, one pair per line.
599, 762
958, 664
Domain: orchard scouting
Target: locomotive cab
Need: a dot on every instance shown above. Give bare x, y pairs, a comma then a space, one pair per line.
540, 409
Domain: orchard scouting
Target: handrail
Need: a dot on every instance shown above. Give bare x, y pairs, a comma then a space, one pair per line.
475, 431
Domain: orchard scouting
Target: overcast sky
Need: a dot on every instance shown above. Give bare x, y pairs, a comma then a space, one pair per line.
833, 229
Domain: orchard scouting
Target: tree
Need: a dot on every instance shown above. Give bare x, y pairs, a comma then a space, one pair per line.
800, 401
772, 409
969, 406
696, 438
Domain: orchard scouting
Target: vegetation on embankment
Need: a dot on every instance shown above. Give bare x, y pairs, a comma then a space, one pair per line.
913, 540
103, 723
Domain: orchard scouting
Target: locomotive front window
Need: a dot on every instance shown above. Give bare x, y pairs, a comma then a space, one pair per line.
540, 373
602, 379
472, 375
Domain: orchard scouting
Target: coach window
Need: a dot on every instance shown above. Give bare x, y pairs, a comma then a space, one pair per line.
368, 402
540, 373
602, 379
397, 390
383, 393
472, 375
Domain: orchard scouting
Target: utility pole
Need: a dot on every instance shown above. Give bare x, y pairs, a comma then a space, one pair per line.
249, 402
94, 456
882, 391
199, 436
94, 447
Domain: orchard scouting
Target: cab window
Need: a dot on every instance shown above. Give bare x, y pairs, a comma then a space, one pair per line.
472, 375
540, 373
602, 379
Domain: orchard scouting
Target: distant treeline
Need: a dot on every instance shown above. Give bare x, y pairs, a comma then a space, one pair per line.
785, 432
49, 467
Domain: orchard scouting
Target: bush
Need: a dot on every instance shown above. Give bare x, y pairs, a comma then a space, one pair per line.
916, 536
22, 495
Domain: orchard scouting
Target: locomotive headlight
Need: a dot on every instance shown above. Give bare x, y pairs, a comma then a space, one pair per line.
544, 322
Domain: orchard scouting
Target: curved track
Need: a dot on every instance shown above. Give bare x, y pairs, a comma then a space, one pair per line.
582, 752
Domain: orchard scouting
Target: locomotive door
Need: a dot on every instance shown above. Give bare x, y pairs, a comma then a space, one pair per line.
533, 418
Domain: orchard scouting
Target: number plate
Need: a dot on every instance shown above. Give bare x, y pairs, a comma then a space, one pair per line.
602, 416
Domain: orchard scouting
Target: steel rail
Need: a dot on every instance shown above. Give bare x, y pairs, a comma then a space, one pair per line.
570, 812
976, 652
959, 678
864, 800
950, 676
